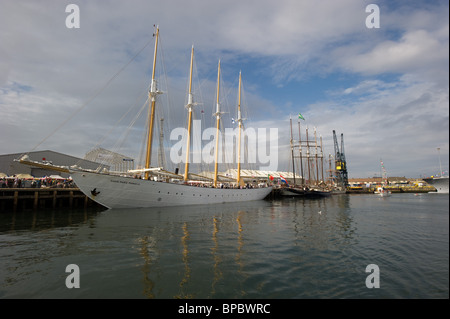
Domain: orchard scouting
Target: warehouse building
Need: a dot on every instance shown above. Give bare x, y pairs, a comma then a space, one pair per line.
255, 176
10, 167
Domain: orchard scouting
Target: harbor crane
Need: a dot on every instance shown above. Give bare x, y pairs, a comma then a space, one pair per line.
341, 176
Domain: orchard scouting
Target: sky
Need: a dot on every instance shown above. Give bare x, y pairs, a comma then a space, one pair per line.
385, 88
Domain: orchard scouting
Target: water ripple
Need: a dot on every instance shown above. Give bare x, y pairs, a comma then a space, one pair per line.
278, 249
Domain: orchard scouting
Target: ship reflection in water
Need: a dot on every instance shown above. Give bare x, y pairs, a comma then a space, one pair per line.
291, 248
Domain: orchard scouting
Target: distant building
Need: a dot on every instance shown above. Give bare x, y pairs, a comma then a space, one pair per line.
374, 181
254, 176
262, 176
116, 161
9, 167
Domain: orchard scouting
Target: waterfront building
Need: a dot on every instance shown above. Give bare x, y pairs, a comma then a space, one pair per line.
10, 167
370, 182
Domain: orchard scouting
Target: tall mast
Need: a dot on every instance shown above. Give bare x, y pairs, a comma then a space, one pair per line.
300, 149
238, 179
152, 99
292, 150
161, 156
307, 157
189, 107
331, 171
316, 157
217, 115
321, 157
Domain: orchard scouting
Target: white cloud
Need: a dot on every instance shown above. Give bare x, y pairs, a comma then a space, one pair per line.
369, 87
415, 51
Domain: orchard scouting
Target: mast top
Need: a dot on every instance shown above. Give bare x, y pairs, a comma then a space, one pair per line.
218, 112
190, 103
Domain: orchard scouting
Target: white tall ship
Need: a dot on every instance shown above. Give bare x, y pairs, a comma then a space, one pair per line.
124, 192
440, 183
158, 187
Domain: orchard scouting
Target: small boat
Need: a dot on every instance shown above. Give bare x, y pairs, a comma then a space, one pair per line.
383, 192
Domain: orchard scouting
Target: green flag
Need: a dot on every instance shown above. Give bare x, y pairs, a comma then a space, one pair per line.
301, 116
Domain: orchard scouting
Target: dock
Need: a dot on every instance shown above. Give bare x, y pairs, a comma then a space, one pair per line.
276, 192
393, 189
12, 199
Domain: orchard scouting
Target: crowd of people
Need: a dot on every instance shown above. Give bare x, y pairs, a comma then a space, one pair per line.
16, 182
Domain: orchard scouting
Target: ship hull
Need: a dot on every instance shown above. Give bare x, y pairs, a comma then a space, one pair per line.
311, 193
125, 192
440, 183
292, 191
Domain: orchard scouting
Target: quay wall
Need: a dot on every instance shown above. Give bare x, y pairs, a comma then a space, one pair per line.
12, 199
393, 189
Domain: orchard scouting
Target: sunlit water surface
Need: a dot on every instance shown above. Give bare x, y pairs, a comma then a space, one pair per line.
289, 248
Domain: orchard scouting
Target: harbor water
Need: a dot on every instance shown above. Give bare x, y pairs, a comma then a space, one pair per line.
280, 249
